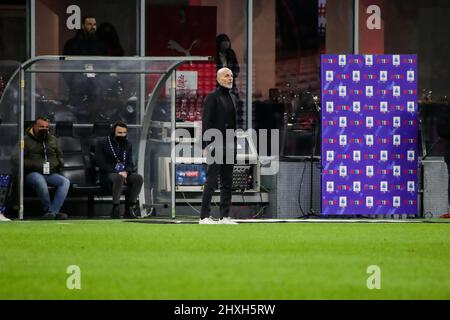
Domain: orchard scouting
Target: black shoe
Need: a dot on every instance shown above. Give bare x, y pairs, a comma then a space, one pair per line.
62, 216
49, 216
115, 214
132, 211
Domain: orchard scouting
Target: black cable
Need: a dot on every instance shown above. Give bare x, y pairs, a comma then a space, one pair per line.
184, 196
315, 139
300, 191
260, 210
311, 210
260, 197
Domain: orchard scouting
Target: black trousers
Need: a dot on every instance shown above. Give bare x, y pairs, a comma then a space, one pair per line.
226, 182
114, 182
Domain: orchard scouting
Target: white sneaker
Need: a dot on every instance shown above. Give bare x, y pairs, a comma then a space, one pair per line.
226, 220
208, 220
3, 218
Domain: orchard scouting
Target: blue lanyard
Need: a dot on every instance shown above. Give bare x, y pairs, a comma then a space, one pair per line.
114, 153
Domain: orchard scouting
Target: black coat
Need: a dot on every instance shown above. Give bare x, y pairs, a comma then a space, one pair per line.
83, 45
105, 160
219, 112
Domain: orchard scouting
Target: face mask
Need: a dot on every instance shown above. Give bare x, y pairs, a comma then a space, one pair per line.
121, 139
42, 134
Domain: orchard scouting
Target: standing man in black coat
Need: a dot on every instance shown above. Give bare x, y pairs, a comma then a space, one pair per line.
84, 43
84, 89
219, 112
113, 155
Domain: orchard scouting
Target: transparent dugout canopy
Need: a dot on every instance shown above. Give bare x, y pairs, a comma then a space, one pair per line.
140, 91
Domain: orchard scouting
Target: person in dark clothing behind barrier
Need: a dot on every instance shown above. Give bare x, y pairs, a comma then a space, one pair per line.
226, 58
109, 40
443, 129
84, 43
42, 163
83, 88
113, 156
219, 112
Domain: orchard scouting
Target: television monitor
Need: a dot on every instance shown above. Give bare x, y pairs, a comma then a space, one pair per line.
190, 174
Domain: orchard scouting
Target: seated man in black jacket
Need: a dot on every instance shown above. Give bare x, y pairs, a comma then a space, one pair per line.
113, 156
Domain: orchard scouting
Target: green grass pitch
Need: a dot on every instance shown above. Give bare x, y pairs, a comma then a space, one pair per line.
120, 260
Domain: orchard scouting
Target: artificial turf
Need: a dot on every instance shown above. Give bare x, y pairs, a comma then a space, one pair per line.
120, 260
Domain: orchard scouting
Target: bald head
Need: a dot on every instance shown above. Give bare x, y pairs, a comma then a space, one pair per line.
225, 78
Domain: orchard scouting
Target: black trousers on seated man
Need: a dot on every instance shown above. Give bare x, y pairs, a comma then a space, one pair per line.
114, 182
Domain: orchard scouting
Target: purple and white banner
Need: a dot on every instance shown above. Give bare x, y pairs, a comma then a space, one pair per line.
369, 134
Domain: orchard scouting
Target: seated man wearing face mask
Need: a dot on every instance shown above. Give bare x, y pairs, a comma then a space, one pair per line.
113, 156
42, 162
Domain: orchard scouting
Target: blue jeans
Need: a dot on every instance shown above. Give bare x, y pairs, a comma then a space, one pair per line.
40, 184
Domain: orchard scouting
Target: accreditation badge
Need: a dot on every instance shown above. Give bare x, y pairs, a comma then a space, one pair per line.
120, 167
46, 168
